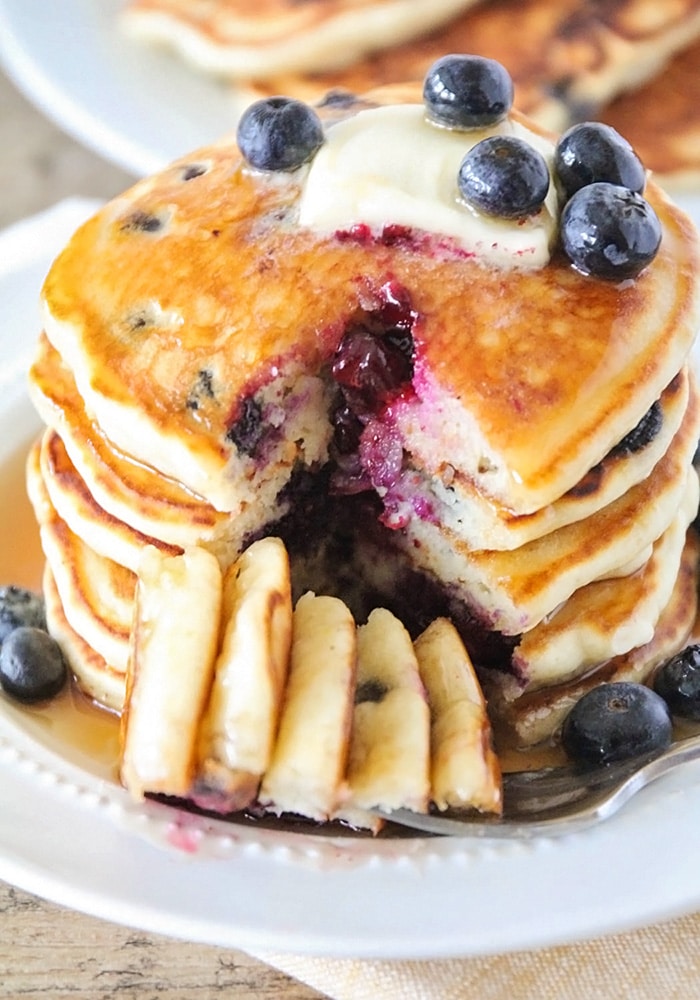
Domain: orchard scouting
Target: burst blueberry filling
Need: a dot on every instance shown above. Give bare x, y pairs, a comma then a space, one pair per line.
248, 429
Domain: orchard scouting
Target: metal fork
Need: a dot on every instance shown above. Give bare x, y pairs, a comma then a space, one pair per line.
555, 801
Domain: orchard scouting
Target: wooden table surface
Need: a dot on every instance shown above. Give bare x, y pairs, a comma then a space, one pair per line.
47, 951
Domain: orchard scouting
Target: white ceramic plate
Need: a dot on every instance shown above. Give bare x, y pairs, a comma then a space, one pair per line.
70, 834
135, 106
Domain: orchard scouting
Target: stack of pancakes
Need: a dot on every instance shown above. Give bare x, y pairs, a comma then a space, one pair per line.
627, 62
536, 482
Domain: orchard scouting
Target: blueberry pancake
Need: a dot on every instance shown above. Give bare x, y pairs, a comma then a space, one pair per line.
237, 38
446, 370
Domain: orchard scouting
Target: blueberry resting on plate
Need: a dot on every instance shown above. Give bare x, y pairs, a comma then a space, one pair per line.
505, 177
609, 231
464, 91
19, 606
678, 683
617, 721
32, 667
279, 133
592, 152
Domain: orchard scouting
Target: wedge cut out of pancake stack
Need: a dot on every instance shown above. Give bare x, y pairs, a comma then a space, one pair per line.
631, 63
322, 353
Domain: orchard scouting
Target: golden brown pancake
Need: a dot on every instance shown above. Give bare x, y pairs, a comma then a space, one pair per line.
566, 57
237, 38
662, 121
272, 302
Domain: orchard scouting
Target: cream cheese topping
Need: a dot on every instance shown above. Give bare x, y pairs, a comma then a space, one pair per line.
392, 166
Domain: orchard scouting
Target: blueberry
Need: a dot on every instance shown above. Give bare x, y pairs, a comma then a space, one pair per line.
464, 91
32, 667
616, 721
19, 607
609, 231
248, 429
279, 133
370, 369
643, 434
504, 176
591, 152
678, 683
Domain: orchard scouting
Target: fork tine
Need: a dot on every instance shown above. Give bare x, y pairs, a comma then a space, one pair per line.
555, 801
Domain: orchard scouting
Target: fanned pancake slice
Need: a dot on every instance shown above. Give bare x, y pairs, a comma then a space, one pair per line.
566, 57
537, 716
174, 640
237, 38
464, 769
662, 121
239, 727
389, 761
306, 772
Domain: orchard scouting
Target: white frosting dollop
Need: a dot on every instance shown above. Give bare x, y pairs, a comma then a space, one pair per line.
392, 166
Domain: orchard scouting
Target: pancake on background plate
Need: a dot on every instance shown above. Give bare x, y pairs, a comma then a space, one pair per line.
567, 57
662, 121
239, 39
436, 410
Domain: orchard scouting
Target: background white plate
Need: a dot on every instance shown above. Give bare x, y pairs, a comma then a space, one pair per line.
137, 107
72, 836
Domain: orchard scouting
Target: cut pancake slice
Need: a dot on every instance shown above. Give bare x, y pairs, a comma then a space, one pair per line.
239, 726
464, 769
537, 716
389, 762
235, 38
308, 763
175, 634
513, 591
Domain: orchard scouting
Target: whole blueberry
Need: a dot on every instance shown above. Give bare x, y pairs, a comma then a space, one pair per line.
616, 721
609, 231
464, 91
32, 667
678, 683
504, 176
279, 133
19, 606
592, 152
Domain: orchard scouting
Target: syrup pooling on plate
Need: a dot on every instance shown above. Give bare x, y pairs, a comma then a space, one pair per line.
357, 393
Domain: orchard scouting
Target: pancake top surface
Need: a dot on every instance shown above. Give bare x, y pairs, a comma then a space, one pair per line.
184, 297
